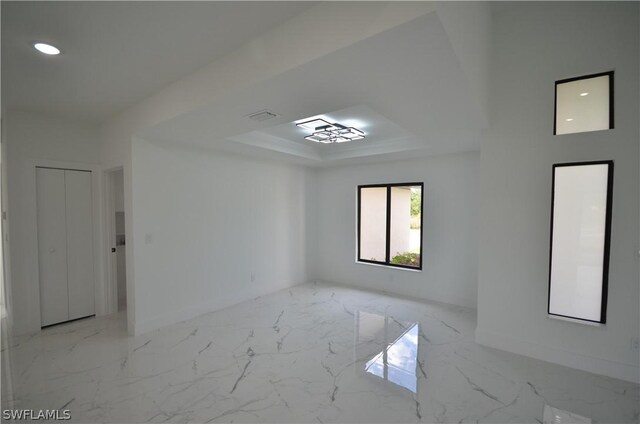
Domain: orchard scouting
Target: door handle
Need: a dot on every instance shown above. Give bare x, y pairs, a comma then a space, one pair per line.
113, 250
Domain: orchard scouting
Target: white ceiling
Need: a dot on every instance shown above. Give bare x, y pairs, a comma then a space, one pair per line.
404, 85
118, 53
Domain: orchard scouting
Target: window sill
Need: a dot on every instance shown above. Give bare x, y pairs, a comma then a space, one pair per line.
576, 321
388, 266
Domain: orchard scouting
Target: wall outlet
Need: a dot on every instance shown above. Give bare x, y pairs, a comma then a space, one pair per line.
634, 344
148, 238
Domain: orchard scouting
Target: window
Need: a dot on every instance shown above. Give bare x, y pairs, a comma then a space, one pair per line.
584, 104
580, 237
390, 224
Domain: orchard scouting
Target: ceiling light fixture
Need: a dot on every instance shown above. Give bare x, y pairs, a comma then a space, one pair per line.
46, 48
584, 94
569, 119
325, 132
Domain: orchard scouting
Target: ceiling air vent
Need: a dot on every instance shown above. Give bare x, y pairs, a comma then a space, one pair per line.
262, 115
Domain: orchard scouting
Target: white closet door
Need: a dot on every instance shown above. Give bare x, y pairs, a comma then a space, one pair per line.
79, 243
52, 245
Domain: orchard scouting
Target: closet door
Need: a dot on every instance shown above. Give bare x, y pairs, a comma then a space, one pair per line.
52, 245
79, 243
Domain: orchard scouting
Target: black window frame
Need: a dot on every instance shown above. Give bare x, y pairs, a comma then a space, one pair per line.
607, 239
387, 261
610, 74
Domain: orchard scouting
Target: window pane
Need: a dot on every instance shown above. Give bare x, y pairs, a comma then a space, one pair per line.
578, 241
583, 105
406, 207
373, 224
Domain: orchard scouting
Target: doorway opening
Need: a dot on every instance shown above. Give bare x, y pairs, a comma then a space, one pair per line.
116, 236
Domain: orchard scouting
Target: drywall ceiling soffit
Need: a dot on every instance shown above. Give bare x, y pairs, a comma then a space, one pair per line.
405, 86
382, 135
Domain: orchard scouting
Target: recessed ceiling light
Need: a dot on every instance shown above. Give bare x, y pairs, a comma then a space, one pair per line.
46, 48
584, 94
569, 119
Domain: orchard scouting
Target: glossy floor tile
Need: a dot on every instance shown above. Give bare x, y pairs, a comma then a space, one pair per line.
314, 353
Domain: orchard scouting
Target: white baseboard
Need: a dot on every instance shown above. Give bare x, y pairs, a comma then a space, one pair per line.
619, 370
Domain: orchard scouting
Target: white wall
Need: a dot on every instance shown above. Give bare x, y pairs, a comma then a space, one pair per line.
6, 321
32, 140
468, 25
449, 248
205, 223
536, 44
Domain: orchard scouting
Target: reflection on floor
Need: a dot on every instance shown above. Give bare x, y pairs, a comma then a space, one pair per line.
397, 361
314, 353
558, 416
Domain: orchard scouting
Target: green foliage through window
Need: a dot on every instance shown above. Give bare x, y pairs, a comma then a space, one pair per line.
416, 202
407, 258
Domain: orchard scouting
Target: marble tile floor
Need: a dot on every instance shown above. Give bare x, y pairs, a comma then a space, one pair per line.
313, 353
